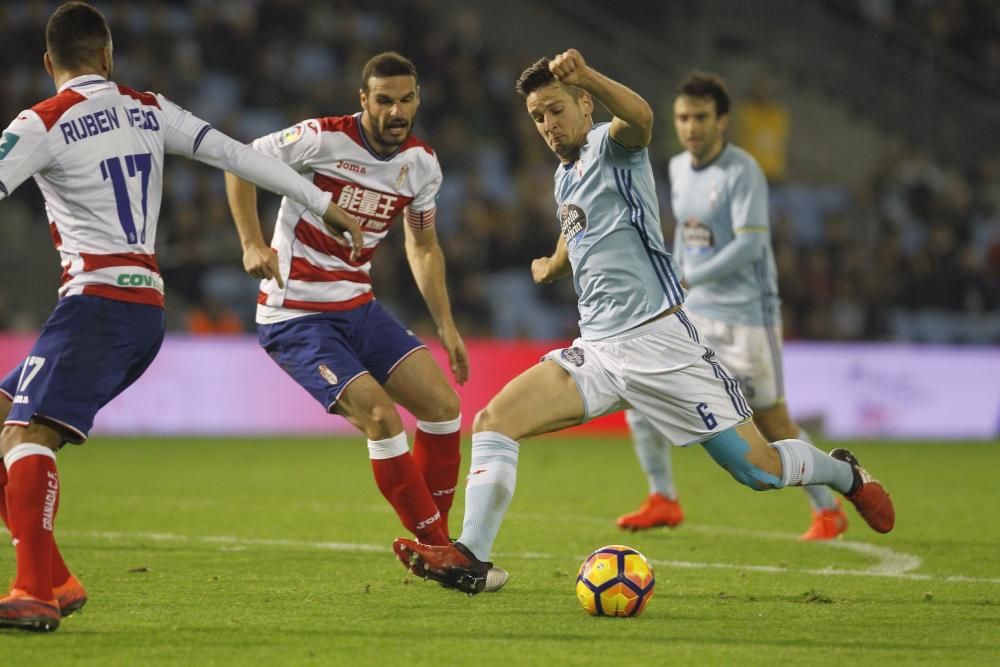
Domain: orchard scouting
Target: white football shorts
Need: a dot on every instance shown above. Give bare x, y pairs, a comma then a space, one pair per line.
662, 371
752, 354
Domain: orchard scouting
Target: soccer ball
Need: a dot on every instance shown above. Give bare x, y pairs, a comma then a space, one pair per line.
615, 581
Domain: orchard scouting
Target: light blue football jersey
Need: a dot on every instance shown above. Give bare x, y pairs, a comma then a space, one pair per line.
610, 218
712, 205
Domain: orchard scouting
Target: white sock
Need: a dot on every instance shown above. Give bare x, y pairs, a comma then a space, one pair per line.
26, 449
804, 465
389, 448
490, 487
820, 497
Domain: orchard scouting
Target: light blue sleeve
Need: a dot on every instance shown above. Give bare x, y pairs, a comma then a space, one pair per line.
748, 201
620, 154
742, 250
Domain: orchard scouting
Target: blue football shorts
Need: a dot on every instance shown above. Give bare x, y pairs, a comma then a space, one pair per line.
89, 351
325, 352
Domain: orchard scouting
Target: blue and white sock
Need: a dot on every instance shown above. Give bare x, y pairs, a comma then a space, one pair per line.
804, 465
820, 497
490, 487
654, 455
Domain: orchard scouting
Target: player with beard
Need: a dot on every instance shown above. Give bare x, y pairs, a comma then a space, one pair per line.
637, 347
317, 316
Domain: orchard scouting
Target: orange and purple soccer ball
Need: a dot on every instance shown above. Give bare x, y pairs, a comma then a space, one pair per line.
615, 581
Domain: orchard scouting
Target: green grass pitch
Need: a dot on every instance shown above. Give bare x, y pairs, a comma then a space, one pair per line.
276, 552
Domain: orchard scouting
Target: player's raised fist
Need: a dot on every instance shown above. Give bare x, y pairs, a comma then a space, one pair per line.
540, 270
569, 67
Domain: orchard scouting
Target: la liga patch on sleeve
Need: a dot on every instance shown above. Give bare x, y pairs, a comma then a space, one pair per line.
291, 135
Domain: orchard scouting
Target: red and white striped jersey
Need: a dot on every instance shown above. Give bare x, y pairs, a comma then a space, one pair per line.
318, 272
96, 151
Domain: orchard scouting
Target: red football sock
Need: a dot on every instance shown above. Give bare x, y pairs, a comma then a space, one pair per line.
32, 498
60, 573
3, 494
399, 480
436, 449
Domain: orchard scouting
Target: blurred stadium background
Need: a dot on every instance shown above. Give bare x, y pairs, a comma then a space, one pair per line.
875, 121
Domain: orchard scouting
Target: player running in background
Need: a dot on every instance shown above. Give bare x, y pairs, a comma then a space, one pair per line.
317, 316
96, 151
722, 249
637, 346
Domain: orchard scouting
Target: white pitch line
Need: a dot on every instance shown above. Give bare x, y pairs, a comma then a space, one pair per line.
891, 571
890, 563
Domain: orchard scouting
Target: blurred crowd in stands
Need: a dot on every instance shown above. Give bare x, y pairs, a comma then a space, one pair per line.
914, 254
965, 34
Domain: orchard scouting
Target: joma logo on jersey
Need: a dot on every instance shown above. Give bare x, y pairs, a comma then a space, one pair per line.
350, 166
139, 280
368, 203
573, 221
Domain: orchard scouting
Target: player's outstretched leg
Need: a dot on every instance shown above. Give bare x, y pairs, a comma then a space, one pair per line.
868, 495
743, 452
804, 465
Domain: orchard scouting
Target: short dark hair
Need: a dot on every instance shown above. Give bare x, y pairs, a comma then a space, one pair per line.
537, 76
385, 65
706, 84
75, 35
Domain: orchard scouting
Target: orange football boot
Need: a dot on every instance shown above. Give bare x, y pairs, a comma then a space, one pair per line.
26, 612
71, 596
656, 510
826, 524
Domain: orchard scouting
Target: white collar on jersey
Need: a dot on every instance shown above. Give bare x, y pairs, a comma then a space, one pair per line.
83, 80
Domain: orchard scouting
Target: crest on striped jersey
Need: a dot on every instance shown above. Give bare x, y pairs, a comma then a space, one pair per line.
403, 171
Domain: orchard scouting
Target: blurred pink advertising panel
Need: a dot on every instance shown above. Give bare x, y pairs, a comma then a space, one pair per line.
228, 386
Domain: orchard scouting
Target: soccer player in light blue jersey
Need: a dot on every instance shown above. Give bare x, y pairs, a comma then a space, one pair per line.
722, 247
637, 347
